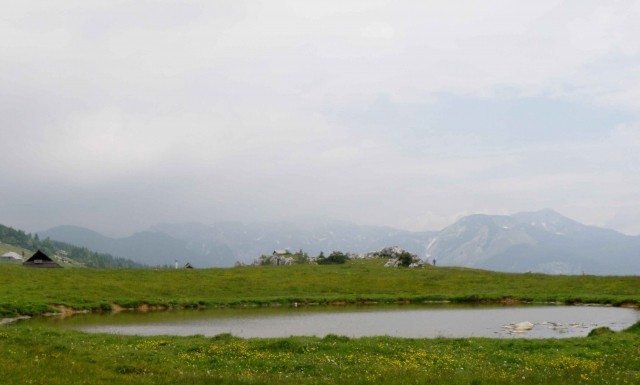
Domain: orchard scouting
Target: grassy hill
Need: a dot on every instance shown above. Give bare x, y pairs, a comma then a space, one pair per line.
4, 247
19, 241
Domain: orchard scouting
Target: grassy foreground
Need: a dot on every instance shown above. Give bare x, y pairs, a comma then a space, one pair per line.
50, 356
42, 355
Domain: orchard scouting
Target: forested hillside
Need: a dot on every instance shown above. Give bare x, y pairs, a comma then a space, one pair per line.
82, 255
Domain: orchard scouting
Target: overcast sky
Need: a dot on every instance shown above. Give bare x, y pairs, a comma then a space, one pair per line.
117, 115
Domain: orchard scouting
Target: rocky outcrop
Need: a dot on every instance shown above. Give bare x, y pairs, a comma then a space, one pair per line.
391, 252
397, 257
397, 262
275, 259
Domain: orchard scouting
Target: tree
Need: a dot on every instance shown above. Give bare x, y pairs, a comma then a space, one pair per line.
300, 257
334, 258
405, 259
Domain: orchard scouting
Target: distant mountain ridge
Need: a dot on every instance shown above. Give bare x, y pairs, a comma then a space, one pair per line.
223, 244
72, 254
247, 241
147, 247
543, 241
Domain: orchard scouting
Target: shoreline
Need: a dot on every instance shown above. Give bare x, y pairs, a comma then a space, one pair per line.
67, 311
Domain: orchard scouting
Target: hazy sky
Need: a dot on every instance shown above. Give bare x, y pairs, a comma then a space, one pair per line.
117, 115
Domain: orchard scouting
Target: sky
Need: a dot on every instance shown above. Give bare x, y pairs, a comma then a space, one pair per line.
117, 115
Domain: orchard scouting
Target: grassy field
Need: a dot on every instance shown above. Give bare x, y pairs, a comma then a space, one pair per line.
41, 355
31, 291
49, 356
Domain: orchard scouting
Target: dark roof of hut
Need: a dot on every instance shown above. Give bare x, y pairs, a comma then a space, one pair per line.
40, 259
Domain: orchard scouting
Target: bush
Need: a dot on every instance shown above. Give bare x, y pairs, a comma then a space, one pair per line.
405, 259
335, 338
601, 331
301, 257
335, 258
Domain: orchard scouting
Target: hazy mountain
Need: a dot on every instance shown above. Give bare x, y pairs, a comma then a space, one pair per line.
543, 241
248, 241
224, 243
72, 254
79, 236
148, 247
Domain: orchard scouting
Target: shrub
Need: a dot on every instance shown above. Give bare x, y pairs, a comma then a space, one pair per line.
334, 258
601, 331
405, 259
335, 338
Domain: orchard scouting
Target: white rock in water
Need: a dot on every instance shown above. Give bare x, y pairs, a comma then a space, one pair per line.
520, 326
526, 325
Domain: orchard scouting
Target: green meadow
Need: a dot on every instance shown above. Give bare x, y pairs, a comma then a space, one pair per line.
44, 355
31, 291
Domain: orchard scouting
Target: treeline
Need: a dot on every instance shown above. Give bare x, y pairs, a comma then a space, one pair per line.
335, 258
300, 258
83, 255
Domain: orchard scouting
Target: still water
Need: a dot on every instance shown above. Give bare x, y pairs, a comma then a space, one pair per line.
411, 321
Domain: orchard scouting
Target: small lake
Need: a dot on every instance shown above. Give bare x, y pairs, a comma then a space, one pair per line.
409, 321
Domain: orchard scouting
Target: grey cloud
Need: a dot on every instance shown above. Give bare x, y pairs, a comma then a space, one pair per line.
409, 114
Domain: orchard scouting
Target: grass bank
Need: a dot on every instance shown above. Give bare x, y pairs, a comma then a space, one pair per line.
32, 291
51, 356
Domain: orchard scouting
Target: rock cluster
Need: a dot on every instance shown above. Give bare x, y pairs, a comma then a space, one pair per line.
396, 256
387, 252
274, 259
396, 263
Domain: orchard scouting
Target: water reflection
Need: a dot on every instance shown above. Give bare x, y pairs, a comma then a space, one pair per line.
411, 321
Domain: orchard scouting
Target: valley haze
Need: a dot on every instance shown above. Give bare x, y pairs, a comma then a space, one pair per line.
543, 241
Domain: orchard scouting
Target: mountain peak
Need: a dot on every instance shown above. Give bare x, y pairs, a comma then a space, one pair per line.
544, 213
550, 221
70, 229
540, 241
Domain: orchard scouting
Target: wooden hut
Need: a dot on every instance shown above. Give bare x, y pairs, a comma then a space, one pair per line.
40, 259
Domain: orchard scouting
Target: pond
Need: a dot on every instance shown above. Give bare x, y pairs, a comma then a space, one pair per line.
410, 321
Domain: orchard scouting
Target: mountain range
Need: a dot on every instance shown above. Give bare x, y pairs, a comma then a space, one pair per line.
223, 244
542, 241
